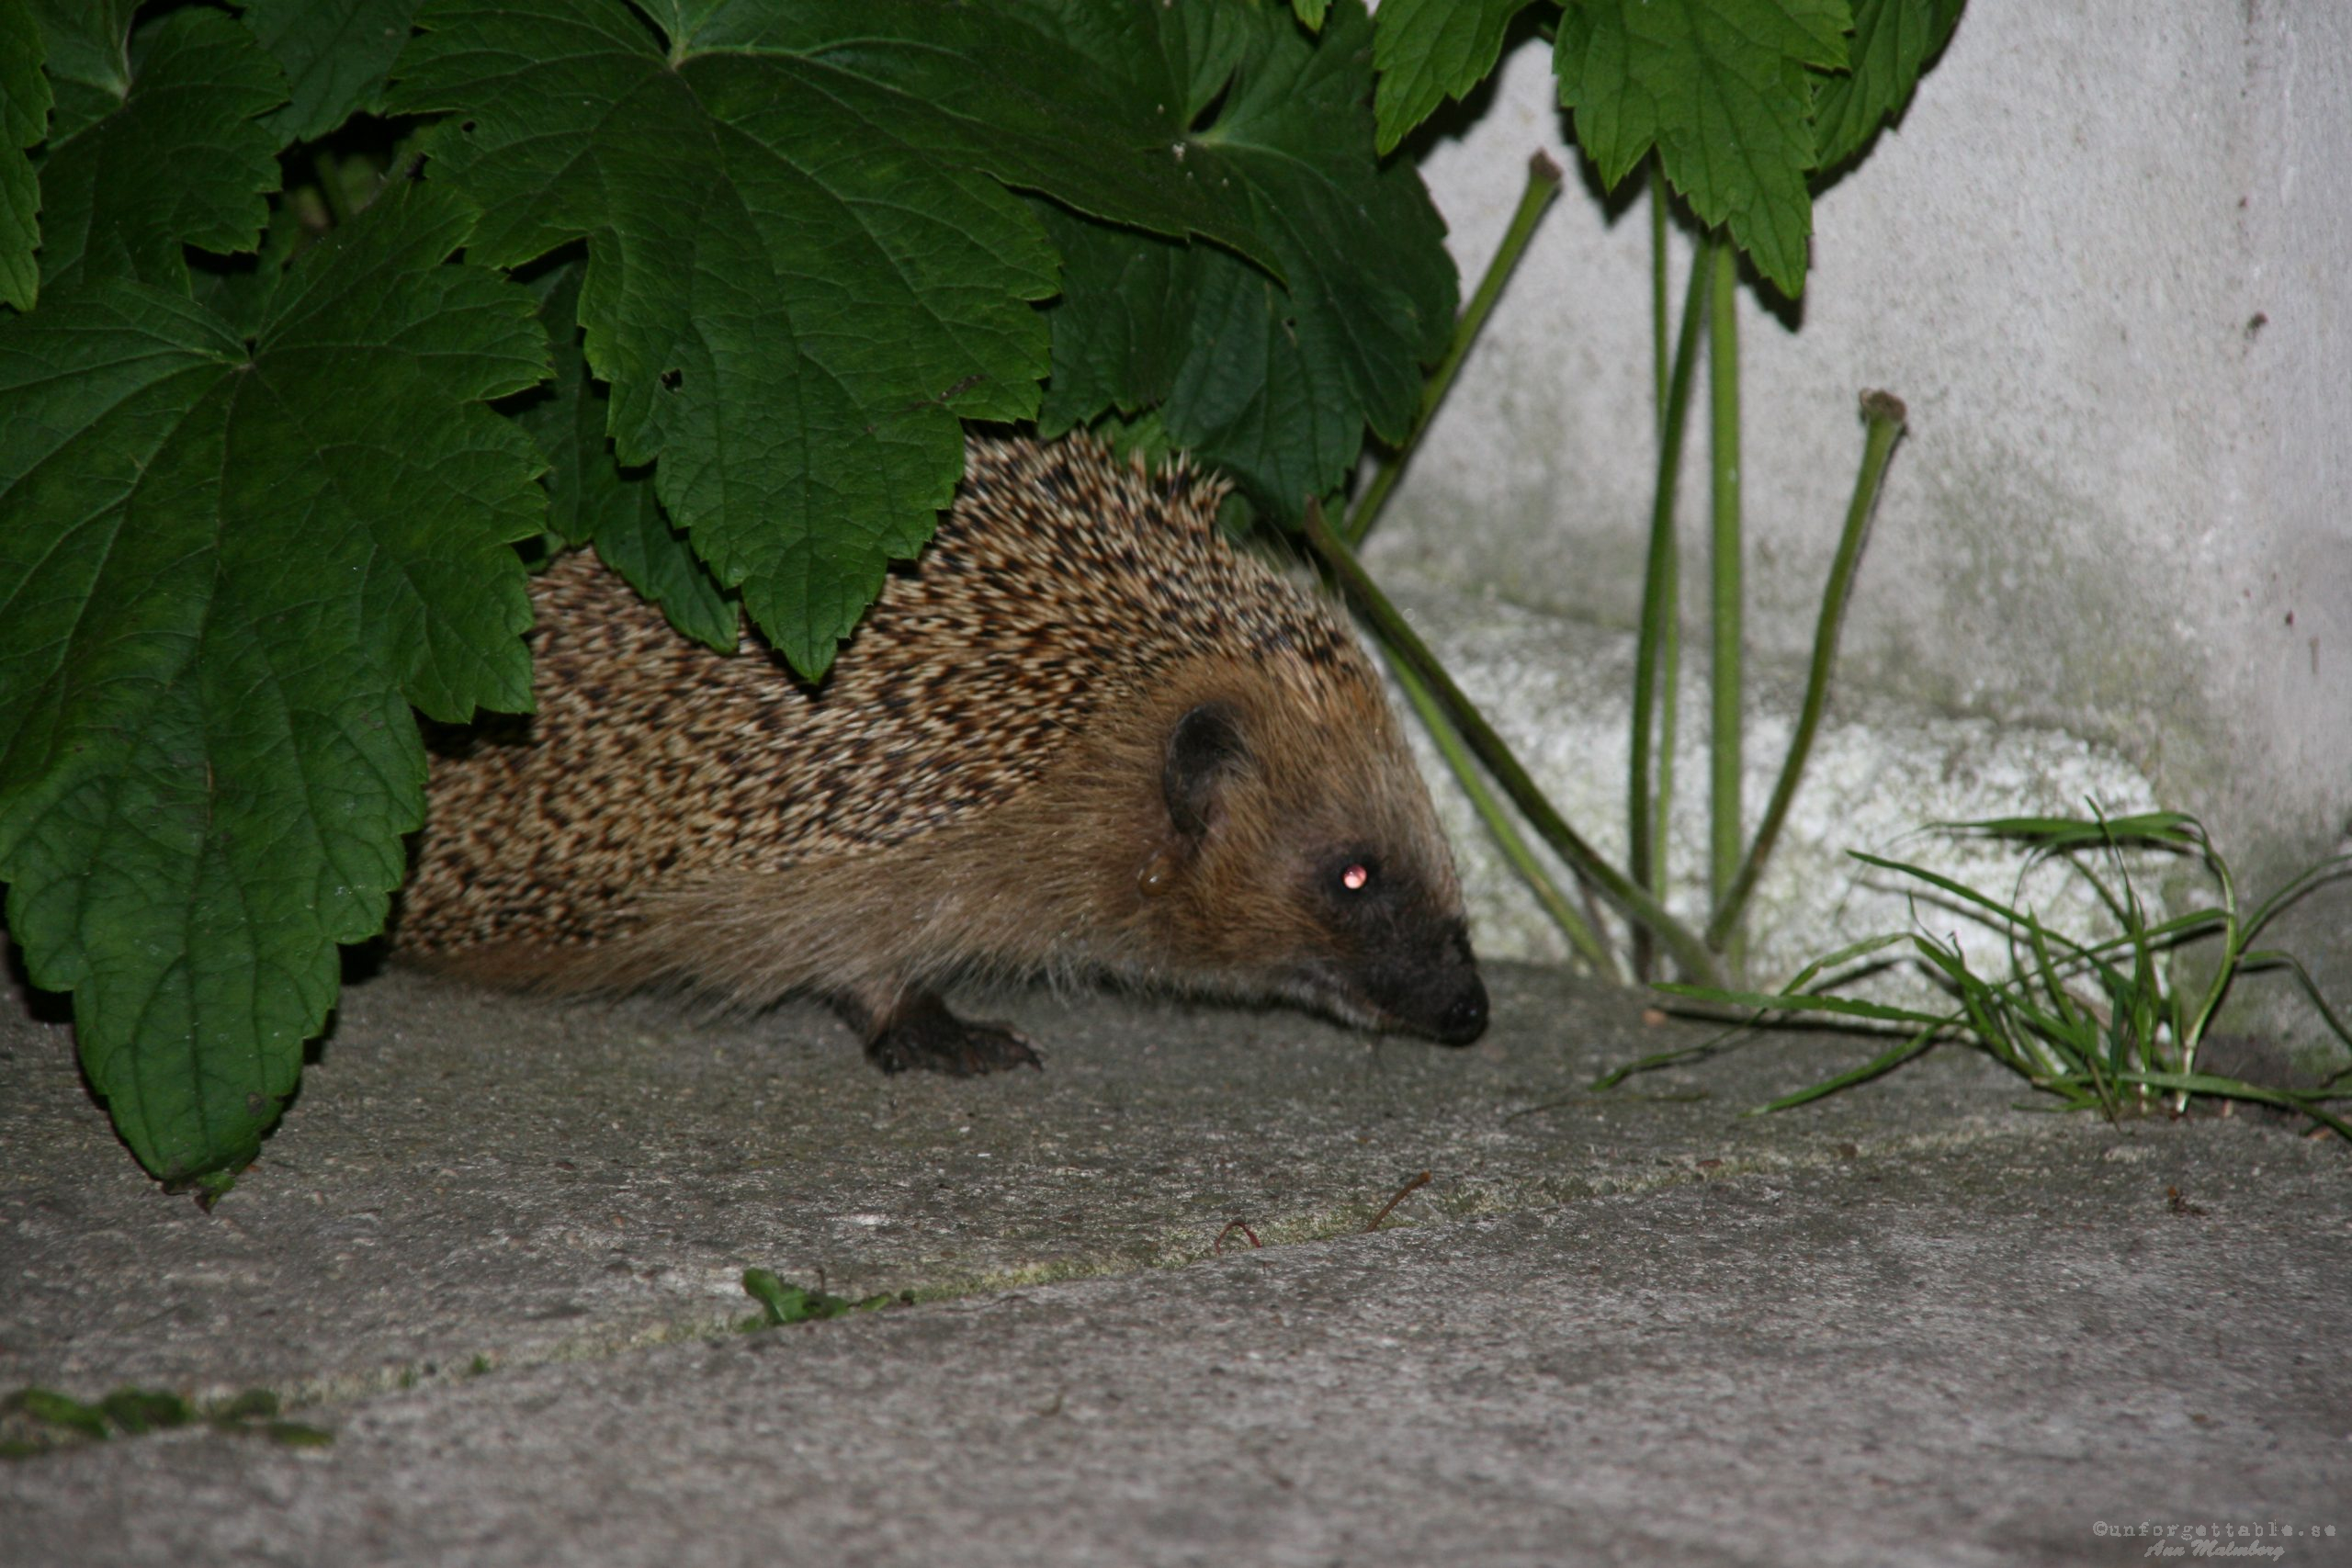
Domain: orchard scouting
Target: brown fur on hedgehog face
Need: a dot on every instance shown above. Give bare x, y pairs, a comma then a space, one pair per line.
1296, 854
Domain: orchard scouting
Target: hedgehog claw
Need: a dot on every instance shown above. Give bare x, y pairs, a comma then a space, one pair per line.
924, 1036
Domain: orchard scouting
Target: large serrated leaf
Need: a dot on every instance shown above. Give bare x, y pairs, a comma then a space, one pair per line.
803, 269
591, 500
24, 120
185, 160
1893, 39
88, 44
1274, 383
1429, 50
225, 572
335, 54
1722, 89
792, 305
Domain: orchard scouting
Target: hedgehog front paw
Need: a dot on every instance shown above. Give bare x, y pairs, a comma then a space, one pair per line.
923, 1036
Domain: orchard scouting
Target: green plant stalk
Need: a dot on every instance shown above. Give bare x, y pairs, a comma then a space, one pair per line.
1542, 185
1883, 416
1670, 649
1497, 758
1661, 367
1507, 837
1669, 703
1644, 803
1723, 825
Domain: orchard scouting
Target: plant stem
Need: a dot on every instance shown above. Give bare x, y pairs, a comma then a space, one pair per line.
1883, 416
1646, 809
1670, 650
1724, 827
1507, 837
1661, 367
1543, 185
1497, 756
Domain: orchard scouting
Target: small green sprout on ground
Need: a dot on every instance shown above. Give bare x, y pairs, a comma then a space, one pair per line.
2105, 1023
781, 1303
37, 1420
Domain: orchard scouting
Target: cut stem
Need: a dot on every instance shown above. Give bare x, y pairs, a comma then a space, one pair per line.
1506, 836
1498, 759
1543, 185
1646, 801
1883, 416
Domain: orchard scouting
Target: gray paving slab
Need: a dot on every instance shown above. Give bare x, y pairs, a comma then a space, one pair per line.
496, 1249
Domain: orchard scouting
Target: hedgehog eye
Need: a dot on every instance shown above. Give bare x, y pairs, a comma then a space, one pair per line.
1356, 879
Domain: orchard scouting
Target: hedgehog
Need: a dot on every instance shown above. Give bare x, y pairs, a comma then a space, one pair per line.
1082, 736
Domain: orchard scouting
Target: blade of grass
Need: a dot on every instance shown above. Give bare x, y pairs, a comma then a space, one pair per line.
1884, 1062
1713, 1046
2162, 827
1807, 1002
2238, 1089
2268, 909
2270, 958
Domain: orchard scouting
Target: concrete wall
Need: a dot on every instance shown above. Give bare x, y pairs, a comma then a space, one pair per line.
2103, 259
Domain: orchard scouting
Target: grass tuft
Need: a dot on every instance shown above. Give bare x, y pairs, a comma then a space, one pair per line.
2104, 1024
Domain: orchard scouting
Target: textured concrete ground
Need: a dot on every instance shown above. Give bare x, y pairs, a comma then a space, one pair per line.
495, 1250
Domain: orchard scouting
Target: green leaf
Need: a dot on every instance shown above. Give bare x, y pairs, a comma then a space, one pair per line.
1310, 13
24, 120
782, 1304
1272, 383
1720, 87
1892, 40
1083, 100
225, 572
591, 500
89, 60
1122, 327
791, 331
184, 160
335, 55
240, 288
1428, 51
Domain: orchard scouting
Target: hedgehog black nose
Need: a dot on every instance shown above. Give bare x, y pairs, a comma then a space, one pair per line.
1465, 1018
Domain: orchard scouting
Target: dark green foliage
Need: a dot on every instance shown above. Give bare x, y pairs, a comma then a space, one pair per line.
1746, 102
1231, 357
255, 503
34, 1421
224, 580
335, 53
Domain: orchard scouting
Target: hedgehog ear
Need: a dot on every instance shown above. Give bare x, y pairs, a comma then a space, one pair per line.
1204, 750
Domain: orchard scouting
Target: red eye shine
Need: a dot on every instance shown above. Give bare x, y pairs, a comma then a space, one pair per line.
1355, 877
